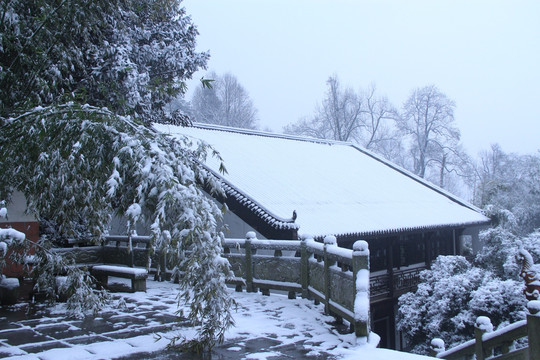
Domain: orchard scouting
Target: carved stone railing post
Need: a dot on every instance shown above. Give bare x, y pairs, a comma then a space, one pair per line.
328, 241
360, 265
304, 267
482, 325
533, 328
436, 347
249, 261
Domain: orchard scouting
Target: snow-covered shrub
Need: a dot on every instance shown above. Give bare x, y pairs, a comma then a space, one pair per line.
432, 311
450, 298
498, 252
500, 300
455, 292
45, 266
78, 287
500, 247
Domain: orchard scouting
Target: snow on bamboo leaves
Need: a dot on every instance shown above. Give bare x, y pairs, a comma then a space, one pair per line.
81, 164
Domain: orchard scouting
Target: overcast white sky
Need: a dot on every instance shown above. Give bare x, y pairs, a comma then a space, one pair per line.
485, 55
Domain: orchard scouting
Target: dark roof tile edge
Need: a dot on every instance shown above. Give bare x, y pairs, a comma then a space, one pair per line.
259, 210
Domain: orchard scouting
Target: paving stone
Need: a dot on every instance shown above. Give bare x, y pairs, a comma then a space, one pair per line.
85, 340
61, 331
129, 319
23, 336
8, 325
34, 329
259, 344
20, 312
35, 322
168, 319
95, 326
298, 351
232, 350
132, 332
5, 353
35, 348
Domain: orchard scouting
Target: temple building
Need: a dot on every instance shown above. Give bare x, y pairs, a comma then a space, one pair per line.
284, 186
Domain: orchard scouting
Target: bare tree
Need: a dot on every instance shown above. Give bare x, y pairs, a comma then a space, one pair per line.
377, 116
378, 132
226, 102
454, 168
337, 118
364, 118
428, 120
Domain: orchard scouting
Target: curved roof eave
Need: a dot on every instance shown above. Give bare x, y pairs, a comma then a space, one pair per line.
262, 213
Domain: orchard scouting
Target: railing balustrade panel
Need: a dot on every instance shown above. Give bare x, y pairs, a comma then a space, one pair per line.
316, 275
286, 269
498, 344
342, 287
238, 265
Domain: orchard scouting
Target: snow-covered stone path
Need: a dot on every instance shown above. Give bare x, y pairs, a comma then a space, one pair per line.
267, 327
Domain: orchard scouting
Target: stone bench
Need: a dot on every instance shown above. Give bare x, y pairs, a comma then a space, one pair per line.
137, 275
114, 258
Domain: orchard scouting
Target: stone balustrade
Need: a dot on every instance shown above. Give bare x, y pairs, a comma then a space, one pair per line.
499, 344
324, 272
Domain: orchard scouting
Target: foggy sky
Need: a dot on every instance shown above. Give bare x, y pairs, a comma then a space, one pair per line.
485, 55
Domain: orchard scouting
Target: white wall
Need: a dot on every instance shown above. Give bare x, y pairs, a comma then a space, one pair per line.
16, 209
237, 228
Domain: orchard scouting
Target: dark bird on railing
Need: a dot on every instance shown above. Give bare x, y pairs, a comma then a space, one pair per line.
294, 215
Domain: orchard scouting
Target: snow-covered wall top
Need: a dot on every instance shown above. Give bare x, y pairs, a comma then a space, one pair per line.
335, 188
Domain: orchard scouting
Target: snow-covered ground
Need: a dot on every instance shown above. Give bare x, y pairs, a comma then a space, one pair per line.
281, 326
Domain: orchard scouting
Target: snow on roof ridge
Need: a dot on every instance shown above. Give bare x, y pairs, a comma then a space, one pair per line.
268, 134
375, 156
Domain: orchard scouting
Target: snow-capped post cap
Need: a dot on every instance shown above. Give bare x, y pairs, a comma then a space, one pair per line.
133, 212
9, 283
361, 247
3, 249
534, 307
3, 212
251, 235
330, 240
306, 236
437, 345
483, 323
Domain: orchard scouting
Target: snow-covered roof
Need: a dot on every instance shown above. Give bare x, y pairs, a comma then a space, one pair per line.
334, 187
